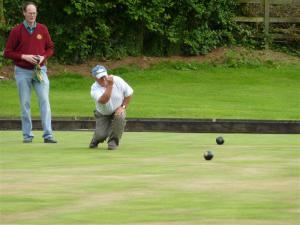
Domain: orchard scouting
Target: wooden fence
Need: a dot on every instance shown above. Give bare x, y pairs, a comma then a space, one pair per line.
267, 20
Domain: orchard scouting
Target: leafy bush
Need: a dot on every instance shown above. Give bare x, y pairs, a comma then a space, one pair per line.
83, 29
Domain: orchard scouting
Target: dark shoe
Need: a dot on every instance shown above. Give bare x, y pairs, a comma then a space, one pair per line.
112, 145
50, 140
27, 140
94, 144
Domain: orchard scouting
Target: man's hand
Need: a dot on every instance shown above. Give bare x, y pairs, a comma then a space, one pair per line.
42, 58
110, 80
119, 111
33, 59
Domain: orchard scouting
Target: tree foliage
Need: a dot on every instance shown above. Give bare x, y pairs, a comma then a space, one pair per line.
82, 29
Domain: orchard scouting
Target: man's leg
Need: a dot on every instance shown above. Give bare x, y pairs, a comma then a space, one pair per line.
102, 129
42, 91
117, 129
24, 82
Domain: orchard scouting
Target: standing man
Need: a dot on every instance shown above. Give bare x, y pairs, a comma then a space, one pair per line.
29, 45
112, 96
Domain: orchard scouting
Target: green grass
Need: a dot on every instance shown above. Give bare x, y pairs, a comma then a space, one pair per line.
154, 178
181, 90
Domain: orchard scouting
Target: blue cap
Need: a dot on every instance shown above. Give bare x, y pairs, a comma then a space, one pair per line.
99, 71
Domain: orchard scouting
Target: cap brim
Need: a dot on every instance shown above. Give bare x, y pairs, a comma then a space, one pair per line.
102, 74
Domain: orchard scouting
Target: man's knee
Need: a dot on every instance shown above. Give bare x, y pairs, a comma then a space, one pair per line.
120, 117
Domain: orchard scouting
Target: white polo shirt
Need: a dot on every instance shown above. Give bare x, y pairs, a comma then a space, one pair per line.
120, 90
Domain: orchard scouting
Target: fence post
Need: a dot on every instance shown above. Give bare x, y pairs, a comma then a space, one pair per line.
267, 23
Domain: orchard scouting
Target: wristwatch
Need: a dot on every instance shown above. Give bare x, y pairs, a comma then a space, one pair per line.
123, 106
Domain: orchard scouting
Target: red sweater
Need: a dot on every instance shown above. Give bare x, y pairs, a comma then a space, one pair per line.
20, 41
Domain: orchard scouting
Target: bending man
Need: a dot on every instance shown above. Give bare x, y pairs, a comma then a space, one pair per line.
112, 96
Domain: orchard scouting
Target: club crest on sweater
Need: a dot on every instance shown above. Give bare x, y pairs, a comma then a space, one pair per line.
39, 37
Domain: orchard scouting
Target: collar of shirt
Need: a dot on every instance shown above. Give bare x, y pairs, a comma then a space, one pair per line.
29, 28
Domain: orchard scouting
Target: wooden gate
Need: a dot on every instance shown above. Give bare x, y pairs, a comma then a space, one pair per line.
267, 20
